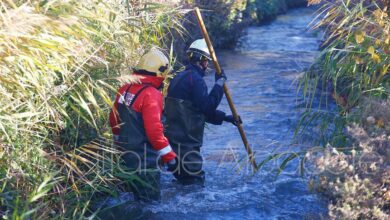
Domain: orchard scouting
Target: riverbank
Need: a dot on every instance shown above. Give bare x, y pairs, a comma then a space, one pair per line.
353, 168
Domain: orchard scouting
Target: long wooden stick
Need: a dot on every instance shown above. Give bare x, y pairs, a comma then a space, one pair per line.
227, 93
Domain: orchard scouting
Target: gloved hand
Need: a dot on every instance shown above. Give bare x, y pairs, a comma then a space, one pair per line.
230, 118
220, 79
173, 165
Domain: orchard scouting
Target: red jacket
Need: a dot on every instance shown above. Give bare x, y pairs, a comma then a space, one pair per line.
150, 104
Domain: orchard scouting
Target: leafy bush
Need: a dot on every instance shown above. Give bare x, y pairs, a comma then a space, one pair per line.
269, 9
266, 10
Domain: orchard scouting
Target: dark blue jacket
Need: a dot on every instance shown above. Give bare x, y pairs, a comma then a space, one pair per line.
189, 85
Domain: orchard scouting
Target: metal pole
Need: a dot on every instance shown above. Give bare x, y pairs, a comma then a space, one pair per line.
227, 93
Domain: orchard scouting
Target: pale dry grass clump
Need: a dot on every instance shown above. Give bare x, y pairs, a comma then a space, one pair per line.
376, 112
357, 179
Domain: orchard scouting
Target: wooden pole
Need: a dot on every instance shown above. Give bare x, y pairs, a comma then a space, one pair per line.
227, 93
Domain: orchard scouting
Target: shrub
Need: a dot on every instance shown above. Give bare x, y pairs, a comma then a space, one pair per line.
356, 178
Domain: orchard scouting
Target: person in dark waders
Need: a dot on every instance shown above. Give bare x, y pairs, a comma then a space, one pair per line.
188, 106
136, 125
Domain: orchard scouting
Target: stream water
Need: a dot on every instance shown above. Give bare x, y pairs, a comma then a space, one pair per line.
262, 73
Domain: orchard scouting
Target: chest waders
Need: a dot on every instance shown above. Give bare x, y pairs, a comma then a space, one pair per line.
184, 128
140, 158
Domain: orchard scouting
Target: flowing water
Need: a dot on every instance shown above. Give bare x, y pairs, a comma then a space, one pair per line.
262, 74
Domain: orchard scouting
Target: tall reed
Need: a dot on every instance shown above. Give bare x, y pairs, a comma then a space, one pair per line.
58, 68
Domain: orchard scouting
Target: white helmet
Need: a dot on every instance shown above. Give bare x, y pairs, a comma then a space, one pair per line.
153, 63
198, 51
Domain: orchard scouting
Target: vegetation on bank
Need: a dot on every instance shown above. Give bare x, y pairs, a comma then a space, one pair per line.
58, 68
264, 11
353, 168
356, 177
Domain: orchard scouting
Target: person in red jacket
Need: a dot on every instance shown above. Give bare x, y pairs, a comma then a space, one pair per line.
136, 124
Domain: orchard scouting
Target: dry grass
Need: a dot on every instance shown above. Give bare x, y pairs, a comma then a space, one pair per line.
357, 179
58, 68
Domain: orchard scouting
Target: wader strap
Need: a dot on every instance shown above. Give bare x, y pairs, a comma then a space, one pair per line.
136, 95
127, 90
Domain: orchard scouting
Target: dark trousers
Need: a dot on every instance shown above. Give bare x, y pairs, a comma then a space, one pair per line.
190, 169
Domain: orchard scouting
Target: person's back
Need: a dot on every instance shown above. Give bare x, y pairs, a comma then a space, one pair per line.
187, 107
136, 125
182, 85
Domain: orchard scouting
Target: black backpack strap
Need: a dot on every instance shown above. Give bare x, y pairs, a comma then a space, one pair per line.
127, 91
138, 93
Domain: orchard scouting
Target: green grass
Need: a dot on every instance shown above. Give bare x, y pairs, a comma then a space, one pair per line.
355, 60
353, 67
